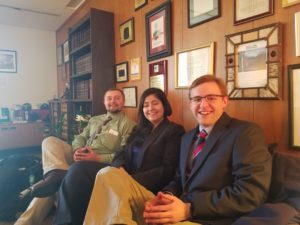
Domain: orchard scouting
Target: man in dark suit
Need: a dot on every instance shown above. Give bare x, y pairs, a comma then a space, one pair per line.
228, 176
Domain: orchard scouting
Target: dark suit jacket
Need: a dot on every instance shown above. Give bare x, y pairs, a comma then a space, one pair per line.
159, 158
230, 177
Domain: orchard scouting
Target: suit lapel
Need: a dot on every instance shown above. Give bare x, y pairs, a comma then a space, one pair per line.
150, 139
215, 134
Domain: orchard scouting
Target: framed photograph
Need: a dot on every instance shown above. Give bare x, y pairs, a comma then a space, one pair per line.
139, 4
66, 51
130, 96
158, 73
201, 11
254, 62
297, 33
122, 72
127, 32
135, 69
193, 63
59, 55
245, 11
8, 61
158, 32
294, 106
287, 3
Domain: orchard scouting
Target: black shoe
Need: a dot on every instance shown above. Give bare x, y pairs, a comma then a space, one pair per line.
49, 185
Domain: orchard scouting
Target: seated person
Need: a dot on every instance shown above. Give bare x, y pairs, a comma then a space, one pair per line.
98, 142
224, 172
150, 158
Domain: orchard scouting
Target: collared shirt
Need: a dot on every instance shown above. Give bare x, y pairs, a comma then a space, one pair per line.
112, 136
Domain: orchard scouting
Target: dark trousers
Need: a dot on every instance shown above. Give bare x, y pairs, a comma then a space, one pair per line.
75, 192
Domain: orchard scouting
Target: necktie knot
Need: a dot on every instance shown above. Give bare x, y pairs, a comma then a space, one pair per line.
202, 134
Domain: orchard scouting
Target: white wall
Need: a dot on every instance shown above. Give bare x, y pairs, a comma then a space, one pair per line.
35, 81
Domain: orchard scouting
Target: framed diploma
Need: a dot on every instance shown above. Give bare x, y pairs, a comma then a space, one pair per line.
287, 3
158, 32
201, 11
254, 62
158, 72
294, 105
245, 11
193, 63
130, 96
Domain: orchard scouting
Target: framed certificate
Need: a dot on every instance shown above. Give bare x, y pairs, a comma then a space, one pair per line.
130, 96
253, 63
294, 105
122, 72
248, 10
193, 63
158, 73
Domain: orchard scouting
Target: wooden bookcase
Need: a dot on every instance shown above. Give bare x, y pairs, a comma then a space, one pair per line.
91, 60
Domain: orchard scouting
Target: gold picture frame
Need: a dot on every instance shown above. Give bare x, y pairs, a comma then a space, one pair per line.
287, 3
254, 63
135, 69
193, 63
127, 32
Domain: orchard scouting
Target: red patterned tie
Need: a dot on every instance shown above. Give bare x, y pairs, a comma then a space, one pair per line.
200, 142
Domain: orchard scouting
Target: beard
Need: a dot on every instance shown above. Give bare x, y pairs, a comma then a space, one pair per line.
114, 109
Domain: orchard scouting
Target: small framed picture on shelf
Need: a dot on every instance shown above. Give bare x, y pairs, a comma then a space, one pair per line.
245, 11
127, 32
59, 55
135, 69
66, 51
130, 96
201, 11
158, 73
287, 3
8, 61
122, 72
193, 63
139, 4
158, 32
294, 107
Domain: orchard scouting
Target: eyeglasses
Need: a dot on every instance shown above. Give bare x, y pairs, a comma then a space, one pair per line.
210, 99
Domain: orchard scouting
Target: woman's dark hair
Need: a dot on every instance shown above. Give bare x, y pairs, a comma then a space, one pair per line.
142, 121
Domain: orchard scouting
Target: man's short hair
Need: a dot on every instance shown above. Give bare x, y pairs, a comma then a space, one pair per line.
206, 79
116, 89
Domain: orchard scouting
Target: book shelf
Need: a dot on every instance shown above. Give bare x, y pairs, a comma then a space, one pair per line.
92, 60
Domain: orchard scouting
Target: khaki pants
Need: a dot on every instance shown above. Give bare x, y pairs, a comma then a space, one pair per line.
56, 154
117, 199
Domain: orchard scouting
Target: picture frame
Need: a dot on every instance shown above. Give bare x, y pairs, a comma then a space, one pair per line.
139, 4
122, 72
294, 106
297, 33
158, 75
135, 69
130, 96
8, 61
66, 51
254, 63
158, 32
202, 11
193, 63
245, 11
59, 55
127, 32
287, 3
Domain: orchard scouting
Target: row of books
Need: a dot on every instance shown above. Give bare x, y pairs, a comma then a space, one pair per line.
80, 38
83, 89
83, 64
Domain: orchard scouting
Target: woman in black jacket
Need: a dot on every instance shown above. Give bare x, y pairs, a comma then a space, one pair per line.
150, 157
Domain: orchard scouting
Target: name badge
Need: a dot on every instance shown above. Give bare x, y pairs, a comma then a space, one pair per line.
113, 132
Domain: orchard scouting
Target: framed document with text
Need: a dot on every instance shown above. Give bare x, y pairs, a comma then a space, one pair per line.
130, 96
158, 73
